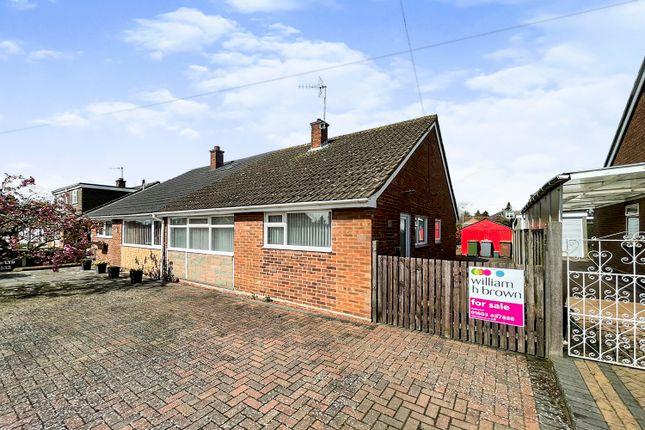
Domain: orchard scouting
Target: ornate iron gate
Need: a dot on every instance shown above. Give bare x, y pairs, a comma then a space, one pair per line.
606, 299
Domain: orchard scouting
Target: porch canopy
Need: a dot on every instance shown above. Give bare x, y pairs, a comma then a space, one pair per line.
589, 189
598, 188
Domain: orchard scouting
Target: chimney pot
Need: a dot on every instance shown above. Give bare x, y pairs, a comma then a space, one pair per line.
120, 183
318, 133
217, 158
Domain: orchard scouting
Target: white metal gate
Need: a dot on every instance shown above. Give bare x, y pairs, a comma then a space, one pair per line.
606, 299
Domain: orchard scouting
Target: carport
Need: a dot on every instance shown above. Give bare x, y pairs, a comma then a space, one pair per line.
598, 278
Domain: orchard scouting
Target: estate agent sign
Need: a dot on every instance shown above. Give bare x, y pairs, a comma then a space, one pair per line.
496, 295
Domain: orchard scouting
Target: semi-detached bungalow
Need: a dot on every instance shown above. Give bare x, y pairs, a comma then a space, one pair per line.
296, 224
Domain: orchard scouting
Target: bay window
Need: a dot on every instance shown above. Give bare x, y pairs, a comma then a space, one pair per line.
204, 234
142, 232
309, 230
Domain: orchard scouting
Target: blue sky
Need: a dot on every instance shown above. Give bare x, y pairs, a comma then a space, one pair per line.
515, 108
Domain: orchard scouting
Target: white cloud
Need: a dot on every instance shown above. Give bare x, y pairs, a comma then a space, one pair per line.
284, 29
9, 48
183, 30
46, 54
21, 4
136, 120
249, 6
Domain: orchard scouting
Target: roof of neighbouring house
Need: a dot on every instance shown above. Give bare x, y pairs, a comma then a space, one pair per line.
95, 187
350, 167
637, 93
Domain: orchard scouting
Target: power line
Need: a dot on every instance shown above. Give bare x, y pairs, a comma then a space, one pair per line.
414, 64
347, 64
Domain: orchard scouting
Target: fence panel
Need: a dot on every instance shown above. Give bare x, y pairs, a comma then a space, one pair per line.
432, 296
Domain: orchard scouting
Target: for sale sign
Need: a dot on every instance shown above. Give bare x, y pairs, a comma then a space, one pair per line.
496, 295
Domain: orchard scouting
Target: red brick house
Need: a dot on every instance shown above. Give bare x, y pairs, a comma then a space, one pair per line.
296, 224
627, 148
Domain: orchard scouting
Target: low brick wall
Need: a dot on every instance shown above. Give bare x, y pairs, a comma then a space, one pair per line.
135, 258
206, 269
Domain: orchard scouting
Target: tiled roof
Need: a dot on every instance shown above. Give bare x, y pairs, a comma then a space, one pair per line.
352, 166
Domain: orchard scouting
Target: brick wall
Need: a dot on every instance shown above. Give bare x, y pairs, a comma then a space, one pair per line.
611, 220
113, 253
423, 173
207, 269
338, 281
632, 149
136, 258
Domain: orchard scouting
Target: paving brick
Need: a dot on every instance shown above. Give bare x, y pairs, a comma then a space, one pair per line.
173, 356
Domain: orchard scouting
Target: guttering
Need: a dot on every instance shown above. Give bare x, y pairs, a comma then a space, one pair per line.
545, 189
328, 204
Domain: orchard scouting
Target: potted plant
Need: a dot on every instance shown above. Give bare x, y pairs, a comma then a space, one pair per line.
87, 264
136, 276
101, 266
113, 272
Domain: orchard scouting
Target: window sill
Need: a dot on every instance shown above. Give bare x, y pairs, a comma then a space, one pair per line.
298, 248
201, 251
421, 245
100, 236
131, 245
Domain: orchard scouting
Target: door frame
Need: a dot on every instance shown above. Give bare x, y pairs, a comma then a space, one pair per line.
408, 245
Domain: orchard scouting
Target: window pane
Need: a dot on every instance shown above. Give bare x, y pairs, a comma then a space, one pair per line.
198, 238
421, 228
107, 228
222, 239
222, 220
633, 226
275, 218
275, 236
178, 237
198, 221
437, 231
309, 229
177, 221
157, 238
138, 232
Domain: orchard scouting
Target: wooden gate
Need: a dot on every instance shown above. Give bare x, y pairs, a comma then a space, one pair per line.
432, 296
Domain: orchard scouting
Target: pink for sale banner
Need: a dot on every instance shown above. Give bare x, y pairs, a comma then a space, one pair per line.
496, 295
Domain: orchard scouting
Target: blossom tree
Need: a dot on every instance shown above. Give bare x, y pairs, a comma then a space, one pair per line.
33, 226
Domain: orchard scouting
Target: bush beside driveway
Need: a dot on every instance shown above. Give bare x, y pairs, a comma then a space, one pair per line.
175, 356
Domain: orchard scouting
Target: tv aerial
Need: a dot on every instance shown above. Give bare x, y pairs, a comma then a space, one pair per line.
118, 168
322, 92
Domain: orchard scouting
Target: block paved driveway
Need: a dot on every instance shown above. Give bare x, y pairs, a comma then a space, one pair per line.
173, 356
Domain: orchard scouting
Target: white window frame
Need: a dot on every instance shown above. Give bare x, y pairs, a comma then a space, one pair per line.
283, 224
152, 231
632, 211
210, 227
74, 194
416, 232
434, 230
101, 232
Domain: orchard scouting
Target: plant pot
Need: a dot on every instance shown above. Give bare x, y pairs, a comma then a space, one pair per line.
136, 276
87, 264
113, 272
101, 267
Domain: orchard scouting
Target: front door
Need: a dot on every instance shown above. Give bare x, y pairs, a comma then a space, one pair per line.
404, 235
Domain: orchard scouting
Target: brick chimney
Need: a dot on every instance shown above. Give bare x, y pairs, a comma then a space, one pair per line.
217, 158
120, 183
318, 133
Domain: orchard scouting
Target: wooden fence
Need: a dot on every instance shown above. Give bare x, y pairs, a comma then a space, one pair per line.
432, 296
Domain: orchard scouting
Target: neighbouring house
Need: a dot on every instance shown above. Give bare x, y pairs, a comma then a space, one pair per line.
497, 235
296, 224
84, 196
